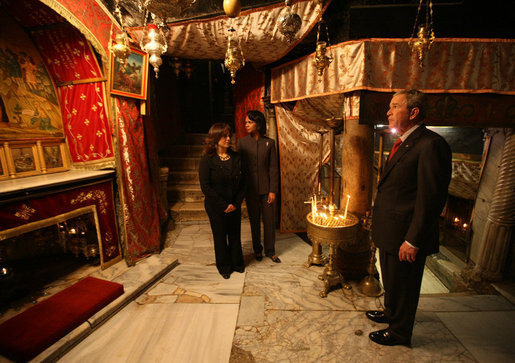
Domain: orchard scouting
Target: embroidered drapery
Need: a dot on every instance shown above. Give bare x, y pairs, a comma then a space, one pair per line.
99, 195
140, 206
247, 95
386, 65
257, 30
299, 150
69, 57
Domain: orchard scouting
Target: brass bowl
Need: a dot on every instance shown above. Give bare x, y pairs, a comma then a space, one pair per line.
341, 233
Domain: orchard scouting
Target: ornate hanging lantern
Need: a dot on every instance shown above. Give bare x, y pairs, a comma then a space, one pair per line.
290, 23
321, 60
120, 48
234, 59
154, 43
425, 34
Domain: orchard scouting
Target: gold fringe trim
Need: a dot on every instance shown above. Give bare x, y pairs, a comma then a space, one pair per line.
107, 163
72, 19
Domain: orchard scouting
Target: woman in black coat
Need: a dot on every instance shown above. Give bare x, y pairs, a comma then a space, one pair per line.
223, 185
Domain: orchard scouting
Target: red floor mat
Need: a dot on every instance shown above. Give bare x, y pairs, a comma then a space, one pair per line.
27, 334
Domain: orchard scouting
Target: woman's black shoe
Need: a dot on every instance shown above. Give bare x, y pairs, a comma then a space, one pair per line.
240, 270
258, 256
275, 259
226, 276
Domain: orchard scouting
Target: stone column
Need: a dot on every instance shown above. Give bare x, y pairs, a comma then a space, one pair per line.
271, 123
357, 165
495, 243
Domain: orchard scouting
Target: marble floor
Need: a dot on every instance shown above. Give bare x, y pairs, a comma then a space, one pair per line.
273, 313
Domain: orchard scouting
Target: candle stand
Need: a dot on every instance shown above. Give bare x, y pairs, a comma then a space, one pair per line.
332, 231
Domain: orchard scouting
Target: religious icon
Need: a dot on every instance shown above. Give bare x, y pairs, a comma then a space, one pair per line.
130, 79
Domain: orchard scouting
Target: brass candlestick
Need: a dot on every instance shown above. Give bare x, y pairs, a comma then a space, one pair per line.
370, 285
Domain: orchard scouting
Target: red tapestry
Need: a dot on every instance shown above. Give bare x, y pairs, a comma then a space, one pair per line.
68, 56
91, 15
248, 92
140, 205
86, 125
37, 209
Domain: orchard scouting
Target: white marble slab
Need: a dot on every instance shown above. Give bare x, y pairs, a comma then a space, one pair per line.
489, 336
37, 181
461, 303
162, 333
336, 336
204, 283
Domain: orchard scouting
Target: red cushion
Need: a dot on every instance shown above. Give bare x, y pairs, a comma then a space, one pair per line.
27, 334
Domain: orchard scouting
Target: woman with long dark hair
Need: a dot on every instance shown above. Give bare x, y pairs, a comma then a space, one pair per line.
260, 158
223, 183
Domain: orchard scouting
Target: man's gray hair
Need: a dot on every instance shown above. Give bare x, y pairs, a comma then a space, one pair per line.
415, 98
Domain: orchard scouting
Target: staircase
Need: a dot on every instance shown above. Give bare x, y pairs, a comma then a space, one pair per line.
185, 199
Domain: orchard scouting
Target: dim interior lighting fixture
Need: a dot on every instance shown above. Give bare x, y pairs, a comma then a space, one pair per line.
425, 34
154, 43
234, 59
321, 60
290, 23
120, 48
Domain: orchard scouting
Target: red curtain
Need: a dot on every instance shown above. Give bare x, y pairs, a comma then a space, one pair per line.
140, 205
69, 57
248, 94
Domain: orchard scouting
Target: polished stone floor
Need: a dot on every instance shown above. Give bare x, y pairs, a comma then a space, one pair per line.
179, 309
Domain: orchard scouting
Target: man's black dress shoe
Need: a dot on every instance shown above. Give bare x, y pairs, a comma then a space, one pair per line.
226, 276
385, 337
258, 256
275, 259
377, 316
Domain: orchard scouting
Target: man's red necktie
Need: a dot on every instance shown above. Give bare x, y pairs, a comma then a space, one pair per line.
395, 147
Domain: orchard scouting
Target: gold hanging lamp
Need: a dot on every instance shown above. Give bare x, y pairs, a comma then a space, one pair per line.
120, 48
425, 34
234, 59
321, 60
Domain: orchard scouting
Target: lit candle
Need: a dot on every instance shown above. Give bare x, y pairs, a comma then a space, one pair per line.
346, 207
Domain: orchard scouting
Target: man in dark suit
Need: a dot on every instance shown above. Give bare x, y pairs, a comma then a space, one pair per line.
410, 197
258, 152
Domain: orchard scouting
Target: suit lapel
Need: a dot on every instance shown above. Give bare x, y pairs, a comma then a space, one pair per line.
405, 147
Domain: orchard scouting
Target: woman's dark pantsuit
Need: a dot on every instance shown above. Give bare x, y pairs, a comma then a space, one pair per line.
226, 235
257, 206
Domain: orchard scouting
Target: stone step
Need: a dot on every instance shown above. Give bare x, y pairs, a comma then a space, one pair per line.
183, 177
179, 163
193, 139
186, 151
185, 193
194, 212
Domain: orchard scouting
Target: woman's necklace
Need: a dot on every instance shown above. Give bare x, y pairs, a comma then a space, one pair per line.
224, 157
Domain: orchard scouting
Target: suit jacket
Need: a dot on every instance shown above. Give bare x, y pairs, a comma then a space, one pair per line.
412, 193
260, 160
222, 183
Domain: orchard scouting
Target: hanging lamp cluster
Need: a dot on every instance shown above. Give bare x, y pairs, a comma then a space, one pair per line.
425, 34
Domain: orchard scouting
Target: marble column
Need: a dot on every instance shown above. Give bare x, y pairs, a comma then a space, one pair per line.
271, 122
357, 164
495, 242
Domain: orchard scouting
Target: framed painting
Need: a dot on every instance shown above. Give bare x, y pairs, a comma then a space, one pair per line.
3, 165
130, 79
53, 156
22, 159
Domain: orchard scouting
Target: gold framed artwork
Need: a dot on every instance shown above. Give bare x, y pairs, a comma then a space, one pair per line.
130, 80
22, 159
3, 165
19, 159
